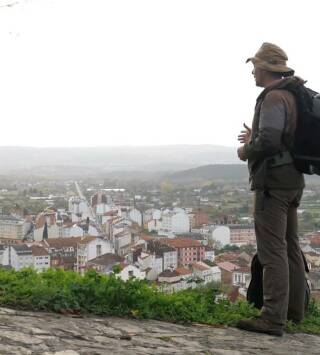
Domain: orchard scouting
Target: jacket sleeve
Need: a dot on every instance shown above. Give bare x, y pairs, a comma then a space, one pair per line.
271, 126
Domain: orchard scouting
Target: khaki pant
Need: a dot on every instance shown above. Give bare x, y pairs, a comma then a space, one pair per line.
275, 215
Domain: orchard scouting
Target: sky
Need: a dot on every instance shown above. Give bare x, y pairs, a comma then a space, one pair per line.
104, 73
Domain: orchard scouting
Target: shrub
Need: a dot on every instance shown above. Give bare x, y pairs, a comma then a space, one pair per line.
57, 290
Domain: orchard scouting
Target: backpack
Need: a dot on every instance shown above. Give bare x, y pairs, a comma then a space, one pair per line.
306, 147
255, 289
305, 150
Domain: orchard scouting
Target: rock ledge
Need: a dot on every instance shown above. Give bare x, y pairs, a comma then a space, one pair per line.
49, 334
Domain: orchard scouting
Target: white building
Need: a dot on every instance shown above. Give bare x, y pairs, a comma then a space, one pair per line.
168, 254
208, 253
102, 208
120, 225
242, 234
130, 271
221, 234
77, 231
77, 205
206, 273
151, 261
135, 216
41, 258
216, 274
122, 242
169, 276
74, 231
17, 256
241, 277
54, 231
89, 248
176, 222
203, 271
151, 214
154, 225
2, 252
11, 227
64, 231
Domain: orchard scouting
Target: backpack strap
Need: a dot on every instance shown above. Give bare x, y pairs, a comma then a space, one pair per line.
279, 159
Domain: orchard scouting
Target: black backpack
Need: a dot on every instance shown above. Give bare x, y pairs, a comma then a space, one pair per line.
255, 289
306, 148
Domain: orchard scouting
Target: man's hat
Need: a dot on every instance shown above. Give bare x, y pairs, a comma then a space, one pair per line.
272, 58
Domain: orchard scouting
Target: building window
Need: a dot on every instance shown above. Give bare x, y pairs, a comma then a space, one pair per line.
99, 250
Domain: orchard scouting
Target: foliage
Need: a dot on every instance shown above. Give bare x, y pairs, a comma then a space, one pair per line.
68, 292
116, 269
227, 248
311, 322
209, 262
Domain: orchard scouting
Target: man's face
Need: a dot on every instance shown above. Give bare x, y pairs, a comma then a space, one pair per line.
259, 75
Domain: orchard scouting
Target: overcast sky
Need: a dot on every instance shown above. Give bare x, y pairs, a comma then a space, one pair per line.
98, 72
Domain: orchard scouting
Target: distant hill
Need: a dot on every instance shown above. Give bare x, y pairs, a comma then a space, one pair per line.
211, 172
108, 159
228, 172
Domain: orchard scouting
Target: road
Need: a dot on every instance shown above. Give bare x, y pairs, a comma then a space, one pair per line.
92, 214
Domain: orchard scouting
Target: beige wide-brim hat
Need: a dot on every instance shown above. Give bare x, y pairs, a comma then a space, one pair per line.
272, 58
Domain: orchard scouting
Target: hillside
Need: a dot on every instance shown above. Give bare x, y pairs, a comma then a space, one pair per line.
226, 172
211, 172
122, 158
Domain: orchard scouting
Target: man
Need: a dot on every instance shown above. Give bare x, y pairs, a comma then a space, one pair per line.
277, 189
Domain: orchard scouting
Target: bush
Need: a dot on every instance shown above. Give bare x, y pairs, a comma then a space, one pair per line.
68, 292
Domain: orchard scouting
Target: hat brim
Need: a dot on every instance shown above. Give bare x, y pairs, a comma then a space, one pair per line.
276, 68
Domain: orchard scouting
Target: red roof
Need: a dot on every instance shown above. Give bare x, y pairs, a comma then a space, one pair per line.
181, 242
200, 266
226, 265
38, 251
66, 242
183, 271
169, 273
146, 237
87, 239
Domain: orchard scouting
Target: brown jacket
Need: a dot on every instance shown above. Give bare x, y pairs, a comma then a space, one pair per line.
273, 130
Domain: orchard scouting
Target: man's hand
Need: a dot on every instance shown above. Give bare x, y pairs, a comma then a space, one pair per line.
245, 135
241, 154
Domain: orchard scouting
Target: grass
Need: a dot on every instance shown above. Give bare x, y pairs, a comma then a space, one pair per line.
68, 292
311, 322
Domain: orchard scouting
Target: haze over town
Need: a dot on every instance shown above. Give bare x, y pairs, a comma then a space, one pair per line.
105, 73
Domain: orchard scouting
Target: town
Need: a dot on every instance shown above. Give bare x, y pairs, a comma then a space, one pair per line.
174, 236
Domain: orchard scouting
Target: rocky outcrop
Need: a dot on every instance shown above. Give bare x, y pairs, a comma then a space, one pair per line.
48, 334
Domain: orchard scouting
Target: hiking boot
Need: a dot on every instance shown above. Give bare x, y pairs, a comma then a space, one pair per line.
260, 325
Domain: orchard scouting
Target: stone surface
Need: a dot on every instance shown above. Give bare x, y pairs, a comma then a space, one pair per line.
52, 334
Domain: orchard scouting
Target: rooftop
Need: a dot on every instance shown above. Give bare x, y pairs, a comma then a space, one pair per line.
67, 242
169, 273
183, 271
226, 265
11, 219
200, 266
155, 246
181, 242
107, 259
38, 251
22, 249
